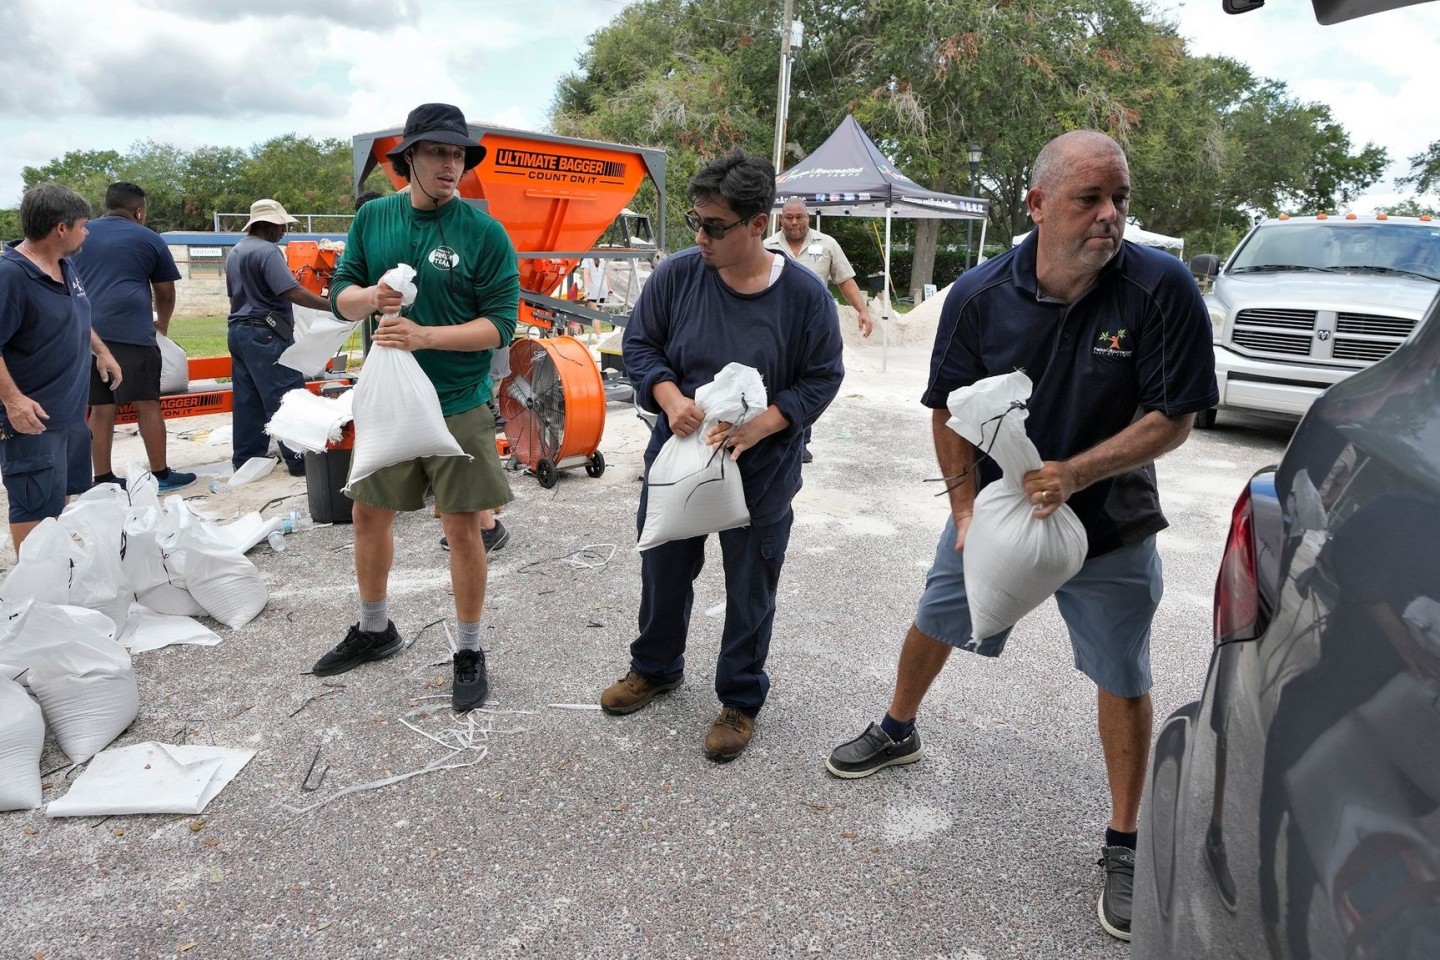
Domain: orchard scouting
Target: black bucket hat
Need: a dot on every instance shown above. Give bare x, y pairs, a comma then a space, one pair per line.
441, 123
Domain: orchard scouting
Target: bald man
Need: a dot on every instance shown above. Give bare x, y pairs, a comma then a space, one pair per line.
1117, 342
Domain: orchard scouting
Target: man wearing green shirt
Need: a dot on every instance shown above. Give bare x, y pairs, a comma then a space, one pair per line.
469, 289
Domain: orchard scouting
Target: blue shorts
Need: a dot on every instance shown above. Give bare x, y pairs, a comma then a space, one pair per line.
1108, 607
40, 469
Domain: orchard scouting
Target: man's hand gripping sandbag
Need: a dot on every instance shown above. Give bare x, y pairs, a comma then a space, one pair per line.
693, 488
1013, 560
397, 411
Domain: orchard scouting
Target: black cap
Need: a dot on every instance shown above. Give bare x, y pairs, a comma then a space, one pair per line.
441, 123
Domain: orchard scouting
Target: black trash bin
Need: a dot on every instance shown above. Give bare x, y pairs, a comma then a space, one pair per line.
325, 475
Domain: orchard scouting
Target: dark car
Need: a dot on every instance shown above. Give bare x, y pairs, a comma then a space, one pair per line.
1294, 810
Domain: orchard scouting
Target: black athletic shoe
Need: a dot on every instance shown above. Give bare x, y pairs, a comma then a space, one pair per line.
358, 647
1118, 893
871, 751
494, 538
471, 685
806, 456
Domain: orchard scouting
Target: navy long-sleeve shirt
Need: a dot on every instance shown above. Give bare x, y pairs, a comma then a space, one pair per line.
688, 324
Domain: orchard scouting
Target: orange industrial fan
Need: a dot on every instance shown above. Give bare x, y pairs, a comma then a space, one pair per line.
553, 404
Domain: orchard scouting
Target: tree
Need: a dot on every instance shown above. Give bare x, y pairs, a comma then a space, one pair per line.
1424, 173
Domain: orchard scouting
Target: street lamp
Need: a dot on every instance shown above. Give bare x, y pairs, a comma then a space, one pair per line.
975, 154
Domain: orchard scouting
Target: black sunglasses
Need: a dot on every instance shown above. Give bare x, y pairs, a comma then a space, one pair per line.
715, 231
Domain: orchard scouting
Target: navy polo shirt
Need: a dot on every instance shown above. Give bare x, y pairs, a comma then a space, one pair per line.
120, 260
1137, 340
45, 337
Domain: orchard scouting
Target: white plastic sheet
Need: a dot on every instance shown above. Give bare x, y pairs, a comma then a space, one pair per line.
693, 488
147, 630
151, 778
321, 340
306, 421
22, 737
1013, 560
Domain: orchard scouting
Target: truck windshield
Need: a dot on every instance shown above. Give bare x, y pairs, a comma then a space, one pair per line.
1342, 247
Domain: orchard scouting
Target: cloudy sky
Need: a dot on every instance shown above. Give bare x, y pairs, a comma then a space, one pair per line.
103, 74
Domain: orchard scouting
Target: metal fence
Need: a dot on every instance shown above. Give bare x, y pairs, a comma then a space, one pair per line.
309, 222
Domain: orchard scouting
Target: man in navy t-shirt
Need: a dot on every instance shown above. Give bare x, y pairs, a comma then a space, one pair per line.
126, 268
45, 348
1117, 342
727, 299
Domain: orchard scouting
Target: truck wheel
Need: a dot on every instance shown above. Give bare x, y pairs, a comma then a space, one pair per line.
1205, 419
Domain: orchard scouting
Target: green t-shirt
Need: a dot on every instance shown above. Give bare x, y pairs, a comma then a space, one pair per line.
464, 268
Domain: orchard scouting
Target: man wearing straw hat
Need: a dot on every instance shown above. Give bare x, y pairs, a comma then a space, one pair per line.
262, 324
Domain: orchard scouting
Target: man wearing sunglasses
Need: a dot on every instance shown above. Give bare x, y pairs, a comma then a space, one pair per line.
727, 299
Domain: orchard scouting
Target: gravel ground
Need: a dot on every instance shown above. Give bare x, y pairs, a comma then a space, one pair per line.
583, 835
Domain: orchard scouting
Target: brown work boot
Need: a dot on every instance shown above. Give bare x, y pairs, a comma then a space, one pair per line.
729, 734
632, 691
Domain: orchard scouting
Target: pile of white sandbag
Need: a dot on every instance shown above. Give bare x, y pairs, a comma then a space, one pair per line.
112, 547
65, 605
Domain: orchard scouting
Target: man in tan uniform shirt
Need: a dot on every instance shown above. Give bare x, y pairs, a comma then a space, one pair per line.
820, 253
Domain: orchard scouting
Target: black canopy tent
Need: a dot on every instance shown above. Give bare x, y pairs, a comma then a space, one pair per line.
848, 176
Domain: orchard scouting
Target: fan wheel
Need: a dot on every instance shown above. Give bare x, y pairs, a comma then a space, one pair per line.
596, 465
546, 473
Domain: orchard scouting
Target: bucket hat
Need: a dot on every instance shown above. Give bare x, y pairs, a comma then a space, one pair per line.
267, 211
441, 123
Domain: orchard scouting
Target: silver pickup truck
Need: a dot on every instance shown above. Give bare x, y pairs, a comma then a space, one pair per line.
1304, 302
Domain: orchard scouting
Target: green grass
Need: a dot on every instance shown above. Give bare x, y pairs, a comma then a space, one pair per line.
200, 336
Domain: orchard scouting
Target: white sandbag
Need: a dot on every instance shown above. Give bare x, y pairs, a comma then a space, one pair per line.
693, 488
81, 676
43, 571
22, 737
97, 542
174, 365
307, 421
320, 339
1013, 560
75, 559
397, 411
222, 581
151, 778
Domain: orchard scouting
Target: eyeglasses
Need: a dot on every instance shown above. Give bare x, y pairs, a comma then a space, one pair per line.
715, 231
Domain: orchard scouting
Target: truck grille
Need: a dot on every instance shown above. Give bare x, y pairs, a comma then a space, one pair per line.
1349, 338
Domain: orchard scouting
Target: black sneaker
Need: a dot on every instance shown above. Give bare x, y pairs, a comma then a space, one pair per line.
471, 685
358, 647
1118, 893
871, 751
806, 456
494, 538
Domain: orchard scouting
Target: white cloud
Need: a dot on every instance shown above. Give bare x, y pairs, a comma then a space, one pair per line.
1377, 74
103, 74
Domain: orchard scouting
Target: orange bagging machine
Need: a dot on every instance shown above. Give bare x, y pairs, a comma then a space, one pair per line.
555, 196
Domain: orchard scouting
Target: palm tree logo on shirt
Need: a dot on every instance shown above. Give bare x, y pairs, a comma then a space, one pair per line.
1114, 344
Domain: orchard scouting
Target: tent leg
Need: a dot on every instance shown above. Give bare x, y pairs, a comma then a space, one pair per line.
885, 303
981, 254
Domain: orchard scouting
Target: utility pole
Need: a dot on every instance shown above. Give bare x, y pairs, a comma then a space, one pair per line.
782, 105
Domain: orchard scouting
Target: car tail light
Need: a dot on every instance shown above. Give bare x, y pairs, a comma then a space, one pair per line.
1237, 588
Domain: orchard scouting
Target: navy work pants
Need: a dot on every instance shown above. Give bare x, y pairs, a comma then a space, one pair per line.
258, 384
752, 558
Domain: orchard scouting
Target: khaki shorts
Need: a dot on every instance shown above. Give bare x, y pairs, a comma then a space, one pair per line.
460, 485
